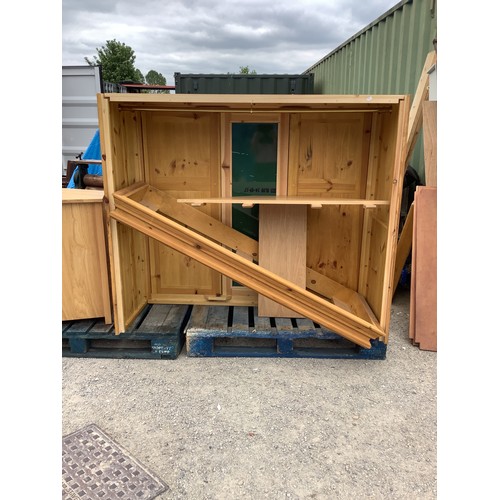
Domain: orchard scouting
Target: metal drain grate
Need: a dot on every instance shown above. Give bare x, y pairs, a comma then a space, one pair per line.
95, 467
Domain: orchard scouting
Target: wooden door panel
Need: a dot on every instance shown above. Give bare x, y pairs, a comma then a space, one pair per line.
328, 159
182, 156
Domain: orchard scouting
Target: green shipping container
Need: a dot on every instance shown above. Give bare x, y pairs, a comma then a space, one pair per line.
243, 84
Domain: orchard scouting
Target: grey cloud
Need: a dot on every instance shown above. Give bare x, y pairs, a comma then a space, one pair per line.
201, 36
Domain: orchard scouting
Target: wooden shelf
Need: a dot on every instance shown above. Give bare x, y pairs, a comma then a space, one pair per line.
250, 201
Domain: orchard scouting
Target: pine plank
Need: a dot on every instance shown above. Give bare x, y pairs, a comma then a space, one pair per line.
430, 142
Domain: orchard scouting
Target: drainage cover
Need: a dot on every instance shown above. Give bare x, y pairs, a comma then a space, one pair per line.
96, 467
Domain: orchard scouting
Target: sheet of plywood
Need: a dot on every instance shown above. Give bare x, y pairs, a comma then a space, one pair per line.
282, 242
430, 142
424, 270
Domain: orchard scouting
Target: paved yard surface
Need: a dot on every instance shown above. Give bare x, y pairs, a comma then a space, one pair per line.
270, 428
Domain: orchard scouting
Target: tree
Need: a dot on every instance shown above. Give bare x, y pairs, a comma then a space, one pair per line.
245, 70
138, 76
155, 78
117, 62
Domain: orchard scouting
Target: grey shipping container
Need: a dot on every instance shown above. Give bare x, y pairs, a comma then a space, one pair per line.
243, 84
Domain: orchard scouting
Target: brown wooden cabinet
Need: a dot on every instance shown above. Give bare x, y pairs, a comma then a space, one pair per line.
174, 166
85, 276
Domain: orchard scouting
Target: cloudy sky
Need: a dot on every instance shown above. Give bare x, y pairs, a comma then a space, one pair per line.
206, 36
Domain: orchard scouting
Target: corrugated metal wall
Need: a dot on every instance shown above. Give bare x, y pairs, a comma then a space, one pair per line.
386, 57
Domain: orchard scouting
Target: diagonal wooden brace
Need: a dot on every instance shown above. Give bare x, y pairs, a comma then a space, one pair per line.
226, 262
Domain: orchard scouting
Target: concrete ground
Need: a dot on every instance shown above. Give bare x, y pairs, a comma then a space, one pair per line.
270, 428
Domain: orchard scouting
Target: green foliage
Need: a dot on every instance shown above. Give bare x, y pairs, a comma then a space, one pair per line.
117, 62
245, 70
138, 76
155, 78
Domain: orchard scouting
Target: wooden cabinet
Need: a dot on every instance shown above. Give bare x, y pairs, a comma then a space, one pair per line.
176, 166
85, 276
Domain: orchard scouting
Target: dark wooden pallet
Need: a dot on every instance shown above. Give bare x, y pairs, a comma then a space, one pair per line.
218, 331
156, 333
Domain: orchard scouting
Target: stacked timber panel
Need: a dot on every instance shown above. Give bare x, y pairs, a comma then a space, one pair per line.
167, 164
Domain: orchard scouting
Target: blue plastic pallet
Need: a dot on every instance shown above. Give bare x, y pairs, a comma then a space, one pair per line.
227, 331
156, 333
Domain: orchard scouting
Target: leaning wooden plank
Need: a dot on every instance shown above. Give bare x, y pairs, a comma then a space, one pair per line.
425, 302
249, 274
404, 247
430, 142
421, 94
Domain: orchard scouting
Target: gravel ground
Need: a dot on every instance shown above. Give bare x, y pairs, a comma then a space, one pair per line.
270, 428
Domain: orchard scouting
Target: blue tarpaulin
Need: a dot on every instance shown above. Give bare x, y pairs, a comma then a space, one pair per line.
93, 152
